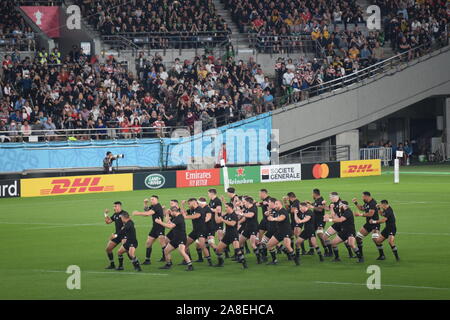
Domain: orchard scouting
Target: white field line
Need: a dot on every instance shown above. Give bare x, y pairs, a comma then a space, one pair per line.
106, 272
382, 285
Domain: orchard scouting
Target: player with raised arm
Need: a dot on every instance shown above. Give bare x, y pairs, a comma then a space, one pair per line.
209, 216
370, 211
118, 224
390, 230
335, 227
155, 210
178, 239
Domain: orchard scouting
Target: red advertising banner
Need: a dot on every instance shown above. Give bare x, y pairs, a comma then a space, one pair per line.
46, 18
198, 178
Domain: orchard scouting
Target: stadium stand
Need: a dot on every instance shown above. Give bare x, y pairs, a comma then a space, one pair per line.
158, 24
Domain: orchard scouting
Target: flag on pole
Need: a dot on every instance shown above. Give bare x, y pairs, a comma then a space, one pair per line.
46, 18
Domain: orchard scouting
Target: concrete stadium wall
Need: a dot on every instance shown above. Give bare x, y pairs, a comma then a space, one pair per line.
362, 103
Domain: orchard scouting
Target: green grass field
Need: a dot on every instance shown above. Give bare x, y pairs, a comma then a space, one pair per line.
41, 237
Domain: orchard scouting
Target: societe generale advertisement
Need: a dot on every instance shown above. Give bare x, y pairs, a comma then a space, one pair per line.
360, 168
76, 185
198, 178
283, 172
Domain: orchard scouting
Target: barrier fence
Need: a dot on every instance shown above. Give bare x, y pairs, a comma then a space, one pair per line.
54, 186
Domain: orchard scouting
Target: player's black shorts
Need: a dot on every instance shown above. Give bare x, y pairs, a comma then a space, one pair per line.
388, 232
337, 227
210, 230
263, 225
241, 229
156, 231
218, 226
229, 237
296, 225
250, 231
170, 235
370, 227
344, 235
127, 245
195, 234
307, 234
319, 223
175, 242
281, 234
117, 240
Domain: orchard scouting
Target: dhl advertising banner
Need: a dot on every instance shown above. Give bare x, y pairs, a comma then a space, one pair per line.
76, 185
360, 168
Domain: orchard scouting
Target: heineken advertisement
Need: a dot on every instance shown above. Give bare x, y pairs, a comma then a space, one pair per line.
241, 175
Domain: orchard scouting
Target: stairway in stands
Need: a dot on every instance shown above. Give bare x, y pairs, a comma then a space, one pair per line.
239, 40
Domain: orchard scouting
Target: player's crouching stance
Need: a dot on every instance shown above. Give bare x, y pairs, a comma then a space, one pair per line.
388, 217
347, 232
283, 233
231, 236
129, 242
178, 238
308, 220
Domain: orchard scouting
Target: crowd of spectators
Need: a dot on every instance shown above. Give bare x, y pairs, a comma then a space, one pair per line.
179, 24
98, 93
410, 24
14, 32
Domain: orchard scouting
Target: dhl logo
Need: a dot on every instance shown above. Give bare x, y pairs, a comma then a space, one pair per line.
360, 168
77, 185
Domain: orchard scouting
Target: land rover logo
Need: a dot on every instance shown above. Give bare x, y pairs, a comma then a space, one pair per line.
155, 181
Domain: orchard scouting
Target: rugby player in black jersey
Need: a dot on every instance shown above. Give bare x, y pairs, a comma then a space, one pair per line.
178, 239
231, 236
113, 241
155, 210
307, 218
283, 232
335, 227
216, 206
129, 241
262, 227
167, 218
292, 203
198, 234
370, 211
319, 211
250, 214
390, 230
209, 216
346, 231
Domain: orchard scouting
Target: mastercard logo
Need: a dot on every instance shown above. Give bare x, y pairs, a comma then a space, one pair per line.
320, 171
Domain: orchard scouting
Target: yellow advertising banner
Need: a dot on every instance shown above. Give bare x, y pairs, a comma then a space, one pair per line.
76, 185
360, 168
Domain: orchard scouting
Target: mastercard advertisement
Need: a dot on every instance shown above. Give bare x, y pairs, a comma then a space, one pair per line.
321, 170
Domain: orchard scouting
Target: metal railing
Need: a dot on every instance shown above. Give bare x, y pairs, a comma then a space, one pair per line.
169, 40
317, 154
39, 135
385, 154
12, 42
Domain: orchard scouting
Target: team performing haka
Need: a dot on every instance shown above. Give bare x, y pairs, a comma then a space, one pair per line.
284, 227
